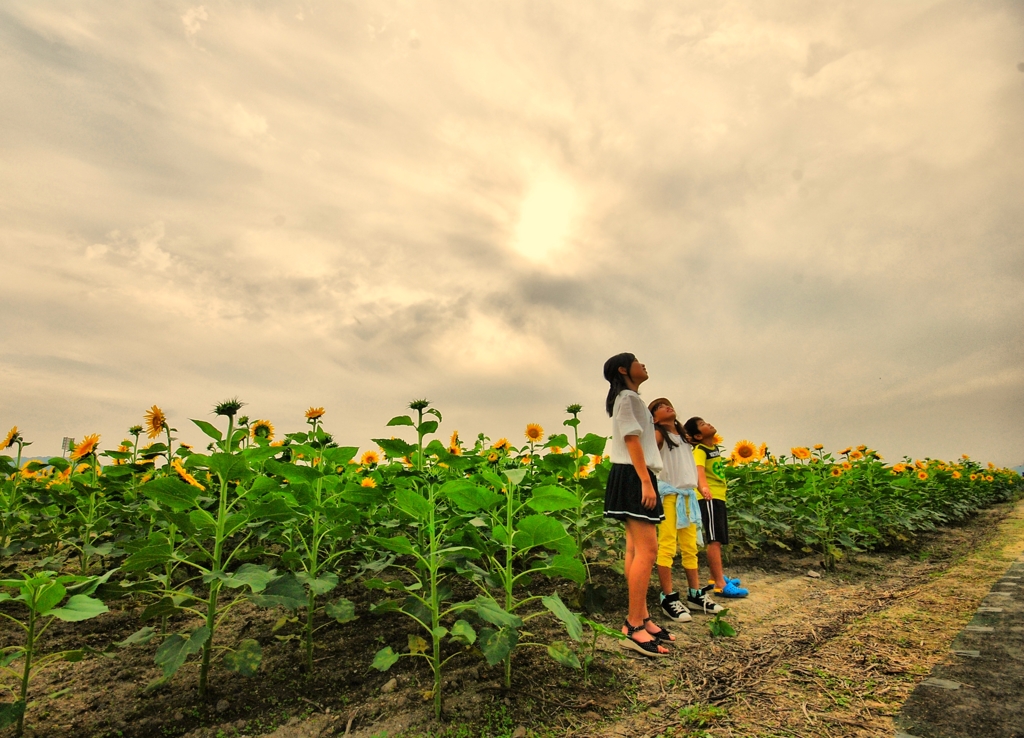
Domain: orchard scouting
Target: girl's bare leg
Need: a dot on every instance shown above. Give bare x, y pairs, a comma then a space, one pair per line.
645, 551
714, 554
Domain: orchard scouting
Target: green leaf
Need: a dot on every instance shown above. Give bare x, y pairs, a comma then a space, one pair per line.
561, 440
79, 607
413, 503
496, 645
553, 497
593, 444
462, 632
160, 609
171, 493
284, 591
150, 557
293, 472
48, 594
488, 609
573, 626
541, 530
11, 713
340, 456
561, 565
202, 521
230, 467
395, 448
322, 584
401, 420
515, 476
138, 638
172, 652
384, 659
469, 497
343, 611
561, 653
245, 659
427, 427
208, 429
254, 576
398, 544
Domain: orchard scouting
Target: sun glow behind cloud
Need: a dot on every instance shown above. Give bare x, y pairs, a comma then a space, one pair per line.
546, 217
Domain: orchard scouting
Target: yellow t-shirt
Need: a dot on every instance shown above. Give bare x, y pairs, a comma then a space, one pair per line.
714, 469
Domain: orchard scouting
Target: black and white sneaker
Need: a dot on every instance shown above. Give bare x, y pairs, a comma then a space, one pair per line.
703, 603
674, 609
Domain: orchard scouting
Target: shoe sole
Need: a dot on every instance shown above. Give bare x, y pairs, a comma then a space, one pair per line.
630, 645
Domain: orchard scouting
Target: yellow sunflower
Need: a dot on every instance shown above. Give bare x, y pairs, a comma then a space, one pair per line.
862, 447
10, 438
836, 471
493, 457
745, 451
856, 455
717, 440
899, 468
369, 458
314, 413
534, 432
965, 457
989, 478
921, 464
922, 474
262, 429
597, 459
956, 475
454, 439
368, 482
86, 447
845, 450
183, 473
974, 477
762, 450
501, 444
556, 449
156, 421
800, 452
818, 446
847, 465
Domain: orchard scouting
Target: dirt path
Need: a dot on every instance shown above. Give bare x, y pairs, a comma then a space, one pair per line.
835, 656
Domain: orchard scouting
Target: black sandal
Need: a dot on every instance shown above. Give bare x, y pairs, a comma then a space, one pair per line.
650, 648
661, 634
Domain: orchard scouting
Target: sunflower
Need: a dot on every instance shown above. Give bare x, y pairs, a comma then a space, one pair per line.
368, 482
574, 409
86, 447
974, 477
862, 447
455, 450
315, 413
501, 444
800, 452
556, 449
989, 478
965, 457
369, 458
745, 451
717, 440
156, 422
856, 455
10, 439
262, 429
185, 476
818, 446
228, 408
956, 475
847, 465
836, 471
921, 464
845, 450
534, 432
899, 468
762, 451
598, 459
922, 474
493, 457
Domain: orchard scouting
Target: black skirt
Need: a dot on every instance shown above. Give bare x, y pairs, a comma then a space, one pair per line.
622, 499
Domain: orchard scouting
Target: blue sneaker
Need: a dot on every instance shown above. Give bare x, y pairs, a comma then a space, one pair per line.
727, 580
731, 590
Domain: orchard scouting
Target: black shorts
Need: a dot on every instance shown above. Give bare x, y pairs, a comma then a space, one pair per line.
716, 522
622, 499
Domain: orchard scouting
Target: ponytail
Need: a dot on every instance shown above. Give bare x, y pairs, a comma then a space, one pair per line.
616, 380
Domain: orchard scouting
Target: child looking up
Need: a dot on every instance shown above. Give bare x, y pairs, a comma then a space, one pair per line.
676, 486
631, 496
712, 485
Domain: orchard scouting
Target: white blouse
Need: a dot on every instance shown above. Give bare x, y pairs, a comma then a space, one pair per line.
630, 417
680, 470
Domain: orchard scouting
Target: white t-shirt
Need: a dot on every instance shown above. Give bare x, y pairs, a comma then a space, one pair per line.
630, 417
680, 470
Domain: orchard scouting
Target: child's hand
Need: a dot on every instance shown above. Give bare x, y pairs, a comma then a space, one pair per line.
649, 498
705, 492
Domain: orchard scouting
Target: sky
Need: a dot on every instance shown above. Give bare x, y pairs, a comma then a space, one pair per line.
805, 218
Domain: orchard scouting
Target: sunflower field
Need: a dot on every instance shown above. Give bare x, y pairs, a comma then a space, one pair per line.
464, 541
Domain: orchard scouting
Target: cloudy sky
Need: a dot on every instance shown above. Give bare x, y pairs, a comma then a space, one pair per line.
806, 218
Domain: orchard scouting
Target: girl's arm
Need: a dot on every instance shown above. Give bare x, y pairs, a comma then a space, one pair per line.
659, 437
649, 497
702, 483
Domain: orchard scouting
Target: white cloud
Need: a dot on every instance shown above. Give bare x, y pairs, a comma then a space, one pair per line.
192, 19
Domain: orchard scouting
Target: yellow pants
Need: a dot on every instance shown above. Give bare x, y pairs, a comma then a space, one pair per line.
669, 536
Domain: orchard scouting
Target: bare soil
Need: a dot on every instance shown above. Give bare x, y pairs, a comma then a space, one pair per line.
835, 655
